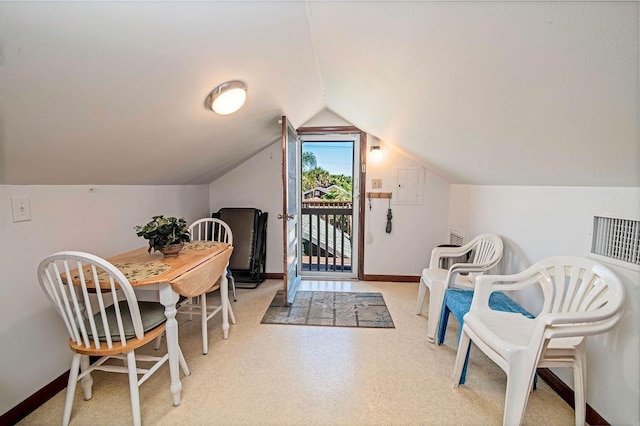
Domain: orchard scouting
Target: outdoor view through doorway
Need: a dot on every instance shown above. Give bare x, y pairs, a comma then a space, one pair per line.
328, 223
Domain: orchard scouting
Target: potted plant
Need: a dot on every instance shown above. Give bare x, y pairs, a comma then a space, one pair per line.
165, 234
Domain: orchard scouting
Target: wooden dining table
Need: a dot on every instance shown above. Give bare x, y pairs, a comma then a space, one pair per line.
191, 273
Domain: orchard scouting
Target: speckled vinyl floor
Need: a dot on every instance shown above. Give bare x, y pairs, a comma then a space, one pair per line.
297, 375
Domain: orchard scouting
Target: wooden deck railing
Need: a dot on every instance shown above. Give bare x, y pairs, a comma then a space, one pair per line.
326, 234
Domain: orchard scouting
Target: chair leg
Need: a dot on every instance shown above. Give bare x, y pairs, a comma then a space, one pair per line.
519, 381
71, 388
232, 318
203, 319
464, 343
87, 381
422, 292
436, 295
580, 386
183, 363
233, 288
463, 376
191, 301
158, 341
133, 387
442, 327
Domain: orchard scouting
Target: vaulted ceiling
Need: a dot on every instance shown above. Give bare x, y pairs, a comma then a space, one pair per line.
508, 93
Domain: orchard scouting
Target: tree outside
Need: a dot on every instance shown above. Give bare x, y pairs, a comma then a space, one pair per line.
314, 176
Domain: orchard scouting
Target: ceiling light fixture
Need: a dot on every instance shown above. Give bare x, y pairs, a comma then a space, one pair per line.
227, 98
376, 154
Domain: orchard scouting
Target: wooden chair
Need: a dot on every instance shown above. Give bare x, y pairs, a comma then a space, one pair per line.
581, 298
214, 230
209, 229
485, 252
104, 319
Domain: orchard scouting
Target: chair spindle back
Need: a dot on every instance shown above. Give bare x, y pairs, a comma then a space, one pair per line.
82, 287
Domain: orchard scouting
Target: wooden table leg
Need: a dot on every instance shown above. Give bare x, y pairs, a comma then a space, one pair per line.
224, 302
168, 298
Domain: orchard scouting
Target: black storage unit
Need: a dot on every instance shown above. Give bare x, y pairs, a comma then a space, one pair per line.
249, 258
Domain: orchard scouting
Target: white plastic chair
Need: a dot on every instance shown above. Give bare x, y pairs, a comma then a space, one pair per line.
103, 318
485, 252
209, 229
581, 298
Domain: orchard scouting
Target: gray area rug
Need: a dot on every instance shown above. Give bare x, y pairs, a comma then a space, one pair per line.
330, 308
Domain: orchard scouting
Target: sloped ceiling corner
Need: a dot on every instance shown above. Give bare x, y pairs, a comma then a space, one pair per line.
113, 92
518, 93
509, 93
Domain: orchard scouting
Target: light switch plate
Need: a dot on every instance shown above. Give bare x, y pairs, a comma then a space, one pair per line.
376, 183
21, 208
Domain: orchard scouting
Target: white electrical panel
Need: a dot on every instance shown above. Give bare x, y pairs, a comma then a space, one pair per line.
408, 185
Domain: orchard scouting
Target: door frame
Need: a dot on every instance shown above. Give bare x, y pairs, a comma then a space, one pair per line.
362, 177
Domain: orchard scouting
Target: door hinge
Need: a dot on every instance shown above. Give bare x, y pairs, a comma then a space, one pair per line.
364, 168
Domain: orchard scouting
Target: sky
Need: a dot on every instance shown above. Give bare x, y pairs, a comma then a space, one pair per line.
335, 157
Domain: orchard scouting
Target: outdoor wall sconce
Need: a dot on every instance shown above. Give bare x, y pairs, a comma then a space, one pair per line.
375, 155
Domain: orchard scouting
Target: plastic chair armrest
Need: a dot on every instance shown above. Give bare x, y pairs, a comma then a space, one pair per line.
442, 252
470, 267
563, 319
487, 284
458, 268
577, 324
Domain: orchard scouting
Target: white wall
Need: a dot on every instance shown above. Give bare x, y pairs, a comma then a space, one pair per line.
538, 222
32, 336
326, 118
416, 228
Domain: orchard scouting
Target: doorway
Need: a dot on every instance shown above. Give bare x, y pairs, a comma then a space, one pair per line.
329, 225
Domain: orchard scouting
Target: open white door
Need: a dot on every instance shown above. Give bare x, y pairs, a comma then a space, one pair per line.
290, 194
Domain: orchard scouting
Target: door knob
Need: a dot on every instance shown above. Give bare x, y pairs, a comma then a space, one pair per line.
289, 216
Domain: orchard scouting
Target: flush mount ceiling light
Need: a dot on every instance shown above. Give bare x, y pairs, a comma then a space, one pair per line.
376, 154
227, 98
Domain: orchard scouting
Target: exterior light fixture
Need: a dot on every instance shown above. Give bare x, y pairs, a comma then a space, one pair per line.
227, 98
375, 154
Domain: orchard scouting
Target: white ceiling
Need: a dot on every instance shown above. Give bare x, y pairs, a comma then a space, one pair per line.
508, 93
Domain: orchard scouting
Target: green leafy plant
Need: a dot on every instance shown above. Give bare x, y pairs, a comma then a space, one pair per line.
163, 231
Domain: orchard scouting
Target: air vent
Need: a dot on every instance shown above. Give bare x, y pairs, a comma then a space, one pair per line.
616, 238
455, 237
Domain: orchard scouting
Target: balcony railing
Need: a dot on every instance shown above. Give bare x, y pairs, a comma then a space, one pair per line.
326, 235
